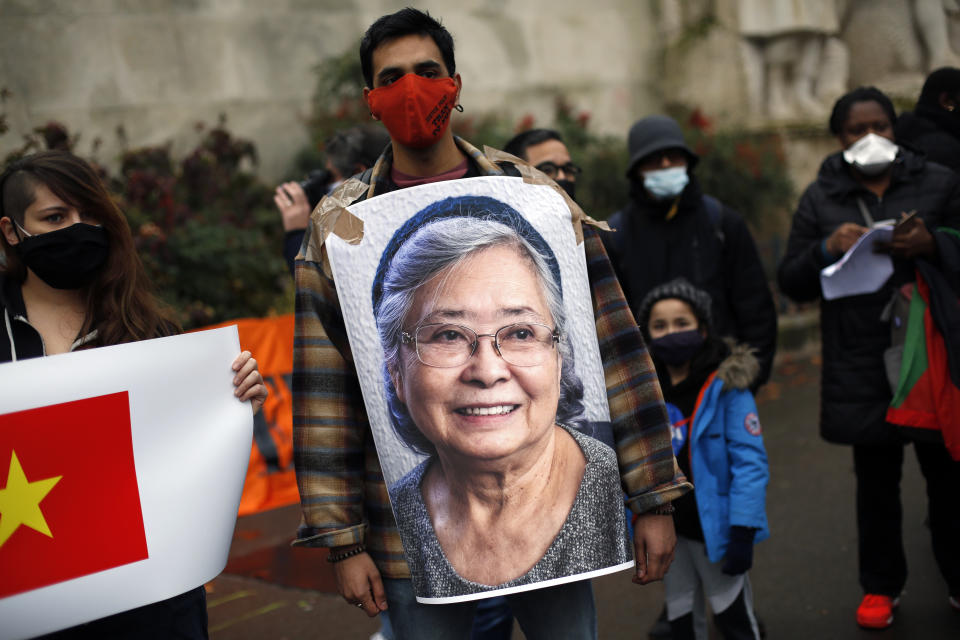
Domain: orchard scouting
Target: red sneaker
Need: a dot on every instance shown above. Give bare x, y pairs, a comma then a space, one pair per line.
876, 611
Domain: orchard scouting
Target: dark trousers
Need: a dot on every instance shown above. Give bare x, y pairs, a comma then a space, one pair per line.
493, 620
736, 622
562, 612
182, 617
883, 565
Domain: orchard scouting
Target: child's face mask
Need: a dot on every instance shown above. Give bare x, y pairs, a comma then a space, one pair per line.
678, 347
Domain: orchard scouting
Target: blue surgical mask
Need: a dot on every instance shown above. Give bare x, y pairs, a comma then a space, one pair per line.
666, 183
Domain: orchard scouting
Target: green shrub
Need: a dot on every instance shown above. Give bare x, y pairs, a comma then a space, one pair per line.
206, 229
744, 169
337, 104
602, 188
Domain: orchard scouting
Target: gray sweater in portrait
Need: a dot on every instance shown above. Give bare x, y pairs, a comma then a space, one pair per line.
594, 535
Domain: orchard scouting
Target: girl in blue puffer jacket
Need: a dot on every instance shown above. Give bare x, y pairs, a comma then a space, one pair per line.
718, 443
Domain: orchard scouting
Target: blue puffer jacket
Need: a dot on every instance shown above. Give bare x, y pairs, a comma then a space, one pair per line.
727, 458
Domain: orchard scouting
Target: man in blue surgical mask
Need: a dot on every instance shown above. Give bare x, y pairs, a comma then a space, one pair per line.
670, 229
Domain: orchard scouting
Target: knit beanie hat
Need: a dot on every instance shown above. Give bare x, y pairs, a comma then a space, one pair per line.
698, 299
656, 133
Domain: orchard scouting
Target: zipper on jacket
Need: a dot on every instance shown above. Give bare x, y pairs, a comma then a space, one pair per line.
13, 345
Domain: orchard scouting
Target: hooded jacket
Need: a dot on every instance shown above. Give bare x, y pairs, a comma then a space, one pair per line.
728, 461
855, 392
717, 255
935, 132
18, 339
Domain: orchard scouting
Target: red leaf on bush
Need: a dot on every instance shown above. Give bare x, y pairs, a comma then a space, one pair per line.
525, 123
700, 122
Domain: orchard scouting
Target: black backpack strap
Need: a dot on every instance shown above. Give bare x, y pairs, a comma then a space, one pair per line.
616, 238
714, 210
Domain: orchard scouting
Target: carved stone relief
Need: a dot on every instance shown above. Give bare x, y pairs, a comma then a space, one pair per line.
896, 43
794, 63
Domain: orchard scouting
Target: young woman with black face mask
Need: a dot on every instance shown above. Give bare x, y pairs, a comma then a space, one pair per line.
718, 443
72, 280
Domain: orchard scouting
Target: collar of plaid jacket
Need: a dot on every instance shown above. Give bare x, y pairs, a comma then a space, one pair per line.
381, 169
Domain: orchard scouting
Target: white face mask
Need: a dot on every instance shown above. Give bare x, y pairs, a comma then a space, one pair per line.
872, 154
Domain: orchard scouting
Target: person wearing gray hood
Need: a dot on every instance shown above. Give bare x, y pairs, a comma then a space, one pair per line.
670, 229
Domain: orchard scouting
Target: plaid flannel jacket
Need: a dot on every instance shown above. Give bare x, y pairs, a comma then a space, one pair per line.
342, 491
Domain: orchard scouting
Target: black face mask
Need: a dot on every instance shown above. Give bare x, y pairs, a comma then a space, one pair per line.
569, 187
67, 258
677, 348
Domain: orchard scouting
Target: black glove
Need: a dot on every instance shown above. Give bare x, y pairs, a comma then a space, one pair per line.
739, 551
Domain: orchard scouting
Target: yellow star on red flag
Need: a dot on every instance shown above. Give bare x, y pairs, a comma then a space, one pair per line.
20, 501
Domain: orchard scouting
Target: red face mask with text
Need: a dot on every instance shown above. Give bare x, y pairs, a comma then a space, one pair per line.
415, 110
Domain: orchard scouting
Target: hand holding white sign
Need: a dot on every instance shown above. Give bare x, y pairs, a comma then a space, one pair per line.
104, 456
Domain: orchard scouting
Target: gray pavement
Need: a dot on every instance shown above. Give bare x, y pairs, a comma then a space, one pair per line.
804, 576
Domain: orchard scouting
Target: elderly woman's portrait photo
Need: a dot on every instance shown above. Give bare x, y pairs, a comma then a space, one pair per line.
511, 484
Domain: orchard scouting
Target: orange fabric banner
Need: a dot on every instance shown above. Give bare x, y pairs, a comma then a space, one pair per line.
270, 481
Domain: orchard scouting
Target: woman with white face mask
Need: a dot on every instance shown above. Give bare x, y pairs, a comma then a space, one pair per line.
868, 181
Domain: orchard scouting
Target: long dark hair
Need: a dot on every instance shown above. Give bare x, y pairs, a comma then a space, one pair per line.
119, 303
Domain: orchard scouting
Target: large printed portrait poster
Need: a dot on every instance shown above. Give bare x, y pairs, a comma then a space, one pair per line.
471, 324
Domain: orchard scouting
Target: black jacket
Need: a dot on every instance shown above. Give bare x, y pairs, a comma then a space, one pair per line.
717, 255
936, 134
17, 336
855, 393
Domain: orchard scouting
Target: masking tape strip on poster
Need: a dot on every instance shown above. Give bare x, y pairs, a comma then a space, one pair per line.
331, 216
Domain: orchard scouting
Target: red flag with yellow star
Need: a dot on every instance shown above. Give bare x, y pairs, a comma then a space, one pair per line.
121, 469
69, 500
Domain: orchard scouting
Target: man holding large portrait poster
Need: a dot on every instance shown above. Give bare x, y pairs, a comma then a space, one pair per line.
344, 490
480, 376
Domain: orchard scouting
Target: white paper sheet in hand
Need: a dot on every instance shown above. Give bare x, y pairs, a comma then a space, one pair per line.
860, 270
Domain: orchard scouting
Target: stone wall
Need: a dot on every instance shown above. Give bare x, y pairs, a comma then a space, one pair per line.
158, 67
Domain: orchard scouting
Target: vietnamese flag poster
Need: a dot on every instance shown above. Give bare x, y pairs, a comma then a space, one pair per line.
121, 470
47, 482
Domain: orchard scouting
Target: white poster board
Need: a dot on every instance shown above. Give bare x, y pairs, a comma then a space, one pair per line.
167, 406
389, 223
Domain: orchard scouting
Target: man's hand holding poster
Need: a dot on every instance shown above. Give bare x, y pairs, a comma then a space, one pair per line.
470, 321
